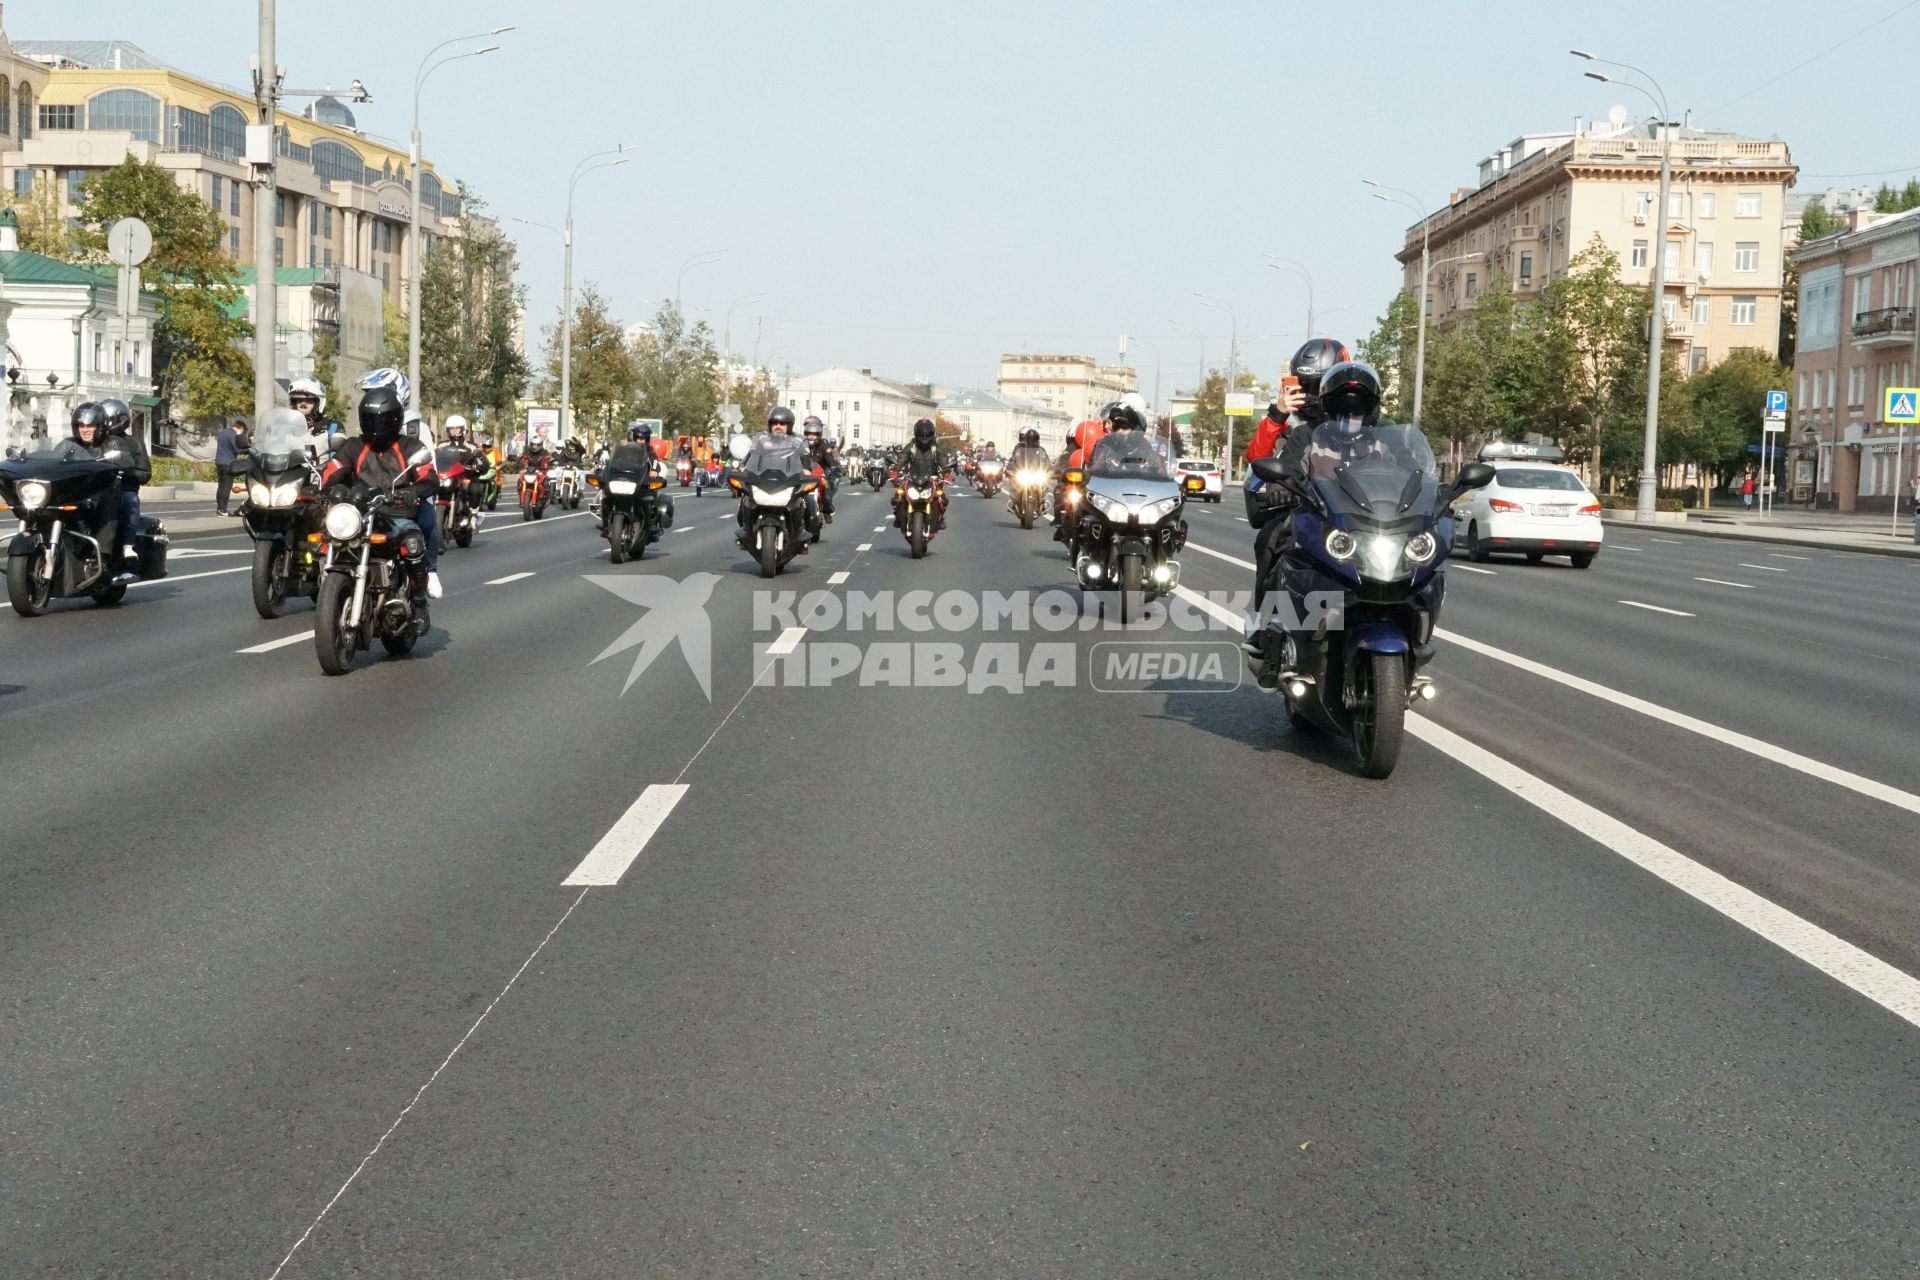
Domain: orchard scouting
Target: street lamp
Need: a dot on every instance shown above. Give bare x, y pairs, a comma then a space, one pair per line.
1412, 202
697, 260
413, 228
726, 344
581, 170
1155, 348
1233, 355
1656, 338
1287, 264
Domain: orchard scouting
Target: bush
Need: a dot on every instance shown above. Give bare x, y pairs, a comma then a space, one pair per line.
1624, 502
181, 471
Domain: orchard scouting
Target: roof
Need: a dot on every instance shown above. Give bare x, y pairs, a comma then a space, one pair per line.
988, 401
109, 54
20, 267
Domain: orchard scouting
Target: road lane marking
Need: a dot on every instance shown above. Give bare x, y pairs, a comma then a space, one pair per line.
609, 859
789, 638
865, 546
1787, 556
1672, 542
194, 553
1470, 568
835, 579
535, 524
1878, 981
1722, 582
512, 577
188, 577
1615, 546
281, 643
1220, 612
684, 529
1654, 608
1739, 741
1219, 555
1770, 568
880, 528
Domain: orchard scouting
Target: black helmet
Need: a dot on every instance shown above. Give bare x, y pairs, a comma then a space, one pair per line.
1350, 392
1311, 362
780, 416
812, 426
1128, 413
1030, 436
923, 432
639, 431
90, 414
119, 416
383, 410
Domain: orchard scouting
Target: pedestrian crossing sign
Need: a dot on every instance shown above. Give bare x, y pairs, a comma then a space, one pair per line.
1903, 405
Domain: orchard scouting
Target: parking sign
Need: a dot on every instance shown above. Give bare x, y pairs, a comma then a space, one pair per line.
1776, 404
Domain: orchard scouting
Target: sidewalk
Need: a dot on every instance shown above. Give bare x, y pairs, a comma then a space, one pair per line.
1833, 530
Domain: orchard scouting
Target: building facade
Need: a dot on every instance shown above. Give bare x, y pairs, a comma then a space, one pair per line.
858, 408
1076, 385
985, 417
1543, 198
1856, 338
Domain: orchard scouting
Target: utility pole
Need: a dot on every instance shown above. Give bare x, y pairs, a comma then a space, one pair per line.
266, 303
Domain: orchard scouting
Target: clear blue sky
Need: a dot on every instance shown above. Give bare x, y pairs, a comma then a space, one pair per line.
920, 187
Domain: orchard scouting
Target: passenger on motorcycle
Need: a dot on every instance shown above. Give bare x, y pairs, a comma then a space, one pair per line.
125, 451
479, 465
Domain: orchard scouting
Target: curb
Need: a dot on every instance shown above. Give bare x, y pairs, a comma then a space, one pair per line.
1895, 549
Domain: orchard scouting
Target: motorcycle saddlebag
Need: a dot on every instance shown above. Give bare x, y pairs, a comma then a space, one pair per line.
150, 544
666, 512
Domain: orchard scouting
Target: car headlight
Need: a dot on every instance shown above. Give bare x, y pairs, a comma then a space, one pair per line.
1155, 512
344, 522
33, 494
1382, 555
1420, 548
622, 486
1341, 545
773, 497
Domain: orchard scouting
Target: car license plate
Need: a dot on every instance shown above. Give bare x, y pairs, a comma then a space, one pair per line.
1552, 509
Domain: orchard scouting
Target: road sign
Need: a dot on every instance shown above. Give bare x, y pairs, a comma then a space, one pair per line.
129, 241
1903, 405
1241, 404
1777, 404
1774, 424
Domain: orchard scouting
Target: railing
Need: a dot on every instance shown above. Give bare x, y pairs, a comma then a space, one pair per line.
1885, 321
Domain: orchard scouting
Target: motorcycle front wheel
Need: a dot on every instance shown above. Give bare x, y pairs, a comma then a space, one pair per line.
1132, 600
917, 534
769, 554
1379, 711
28, 590
334, 642
269, 579
617, 537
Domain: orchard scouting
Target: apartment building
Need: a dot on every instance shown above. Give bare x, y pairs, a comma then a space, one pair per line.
1542, 198
985, 417
1079, 385
858, 408
1856, 338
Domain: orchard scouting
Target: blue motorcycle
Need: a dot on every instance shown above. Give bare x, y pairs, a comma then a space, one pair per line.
1362, 583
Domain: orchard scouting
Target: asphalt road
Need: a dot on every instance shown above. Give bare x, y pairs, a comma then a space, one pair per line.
1613, 977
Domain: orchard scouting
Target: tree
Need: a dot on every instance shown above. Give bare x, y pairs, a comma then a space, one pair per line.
1815, 221
196, 351
1390, 350
395, 340
1498, 373
1728, 402
755, 396
1208, 433
946, 432
43, 230
1596, 334
604, 373
1890, 199
468, 301
677, 377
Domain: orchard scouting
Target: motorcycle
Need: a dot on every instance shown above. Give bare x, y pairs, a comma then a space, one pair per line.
916, 509
1065, 501
491, 499
877, 475
1029, 495
282, 513
54, 489
986, 476
633, 511
374, 579
533, 494
566, 487
1372, 529
1129, 528
774, 484
683, 471
458, 519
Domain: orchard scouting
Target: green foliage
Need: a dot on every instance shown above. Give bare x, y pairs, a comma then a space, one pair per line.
1390, 350
1497, 374
1890, 199
1597, 335
182, 471
677, 377
1815, 221
468, 301
326, 371
200, 365
43, 228
604, 370
1727, 403
1207, 436
394, 339
755, 397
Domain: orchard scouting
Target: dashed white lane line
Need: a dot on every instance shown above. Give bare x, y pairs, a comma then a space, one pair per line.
880, 528
1654, 608
1878, 981
1722, 582
512, 577
788, 639
1615, 546
281, 643
685, 529
1474, 568
1218, 555
535, 524
1672, 542
1787, 556
195, 553
1739, 741
868, 546
188, 577
835, 579
609, 859
1770, 568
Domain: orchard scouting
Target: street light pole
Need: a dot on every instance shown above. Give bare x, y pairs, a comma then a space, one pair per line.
697, 260
1155, 347
413, 229
266, 304
580, 171
1287, 264
1413, 202
1233, 356
726, 343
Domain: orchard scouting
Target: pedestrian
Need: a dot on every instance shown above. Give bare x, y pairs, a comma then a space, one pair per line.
1746, 491
227, 451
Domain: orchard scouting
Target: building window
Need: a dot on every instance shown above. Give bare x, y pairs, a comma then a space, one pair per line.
280, 211
1429, 308
129, 109
1673, 261
59, 117
233, 241
326, 221
6, 96
1800, 392
1703, 258
280, 254
233, 198
1747, 205
1669, 312
1526, 268
1746, 255
1697, 360
1642, 202
1703, 311
1862, 296
1676, 201
1705, 205
326, 257
1744, 305
313, 218
22, 179
856, 406
1639, 258
74, 178
217, 192
1473, 284
24, 98
229, 130
337, 162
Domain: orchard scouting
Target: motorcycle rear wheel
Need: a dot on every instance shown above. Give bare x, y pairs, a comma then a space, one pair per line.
334, 642
1379, 711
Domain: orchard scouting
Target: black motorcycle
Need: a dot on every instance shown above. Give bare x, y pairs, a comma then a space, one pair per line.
633, 511
282, 513
1129, 526
877, 474
60, 491
374, 581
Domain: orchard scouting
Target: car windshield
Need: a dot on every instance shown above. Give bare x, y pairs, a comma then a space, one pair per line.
1382, 472
1538, 478
1125, 455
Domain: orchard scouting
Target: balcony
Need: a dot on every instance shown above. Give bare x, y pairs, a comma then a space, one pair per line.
1889, 326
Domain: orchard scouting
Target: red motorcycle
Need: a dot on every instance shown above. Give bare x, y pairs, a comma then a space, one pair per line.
533, 493
458, 519
683, 469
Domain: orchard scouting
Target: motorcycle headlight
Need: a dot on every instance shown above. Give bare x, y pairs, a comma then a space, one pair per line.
622, 486
773, 497
33, 494
1382, 555
1107, 506
1154, 512
259, 494
919, 495
344, 522
1030, 478
1341, 545
1420, 548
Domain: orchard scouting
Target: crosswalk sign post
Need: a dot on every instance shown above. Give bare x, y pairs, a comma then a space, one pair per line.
1903, 406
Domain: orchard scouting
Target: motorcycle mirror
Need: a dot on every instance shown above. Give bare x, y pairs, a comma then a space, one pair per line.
1475, 475
1268, 469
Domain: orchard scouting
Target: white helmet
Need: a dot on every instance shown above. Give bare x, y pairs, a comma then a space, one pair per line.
454, 420
308, 387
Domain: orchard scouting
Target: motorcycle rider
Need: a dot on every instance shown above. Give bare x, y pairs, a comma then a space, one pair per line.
309, 399
821, 453
925, 462
1079, 448
379, 455
1123, 417
124, 450
777, 441
1275, 434
479, 466
1026, 456
89, 427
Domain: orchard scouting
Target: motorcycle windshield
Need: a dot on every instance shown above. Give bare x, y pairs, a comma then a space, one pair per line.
64, 449
776, 455
281, 442
1373, 475
1126, 455
631, 459
447, 461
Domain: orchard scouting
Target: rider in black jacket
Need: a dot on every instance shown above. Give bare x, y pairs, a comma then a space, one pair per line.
124, 450
924, 460
379, 456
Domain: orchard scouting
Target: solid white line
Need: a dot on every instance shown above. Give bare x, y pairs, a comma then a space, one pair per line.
1654, 608
188, 577
1770, 568
1739, 741
1220, 612
1722, 582
535, 524
835, 579
788, 639
1672, 542
281, 643
1785, 556
1878, 981
868, 546
1473, 568
624, 840
1218, 555
512, 577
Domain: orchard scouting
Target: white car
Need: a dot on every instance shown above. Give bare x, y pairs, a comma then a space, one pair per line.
1533, 508
1207, 470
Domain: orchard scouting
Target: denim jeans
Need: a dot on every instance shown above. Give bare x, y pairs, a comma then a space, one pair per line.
428, 518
